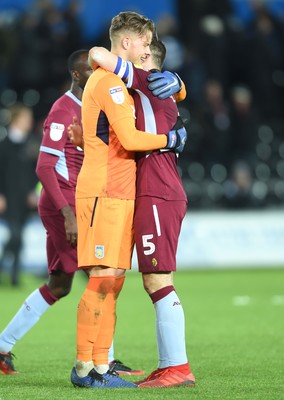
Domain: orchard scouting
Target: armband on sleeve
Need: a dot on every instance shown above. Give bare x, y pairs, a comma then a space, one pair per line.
122, 68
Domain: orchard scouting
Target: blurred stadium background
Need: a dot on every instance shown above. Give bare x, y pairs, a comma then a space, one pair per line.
230, 54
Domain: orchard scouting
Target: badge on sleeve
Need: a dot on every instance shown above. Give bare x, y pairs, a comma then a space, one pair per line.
56, 131
117, 94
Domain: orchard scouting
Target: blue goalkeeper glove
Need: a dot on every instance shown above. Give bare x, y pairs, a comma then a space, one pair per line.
176, 139
164, 84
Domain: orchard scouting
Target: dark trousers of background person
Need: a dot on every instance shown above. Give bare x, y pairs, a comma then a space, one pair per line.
12, 251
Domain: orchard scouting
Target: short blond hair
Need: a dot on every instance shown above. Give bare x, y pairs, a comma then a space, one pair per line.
130, 21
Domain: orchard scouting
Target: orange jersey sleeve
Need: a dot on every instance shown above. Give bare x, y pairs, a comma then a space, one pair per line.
110, 139
181, 95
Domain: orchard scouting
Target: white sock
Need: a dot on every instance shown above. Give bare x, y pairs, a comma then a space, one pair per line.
83, 367
102, 369
26, 317
170, 325
163, 355
111, 353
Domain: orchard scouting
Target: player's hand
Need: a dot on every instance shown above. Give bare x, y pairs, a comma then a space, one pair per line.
75, 133
70, 224
164, 84
177, 137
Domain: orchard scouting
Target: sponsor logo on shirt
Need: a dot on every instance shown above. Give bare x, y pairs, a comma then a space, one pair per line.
99, 251
117, 94
56, 131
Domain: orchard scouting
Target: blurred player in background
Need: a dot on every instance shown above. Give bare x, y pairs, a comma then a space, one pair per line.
58, 165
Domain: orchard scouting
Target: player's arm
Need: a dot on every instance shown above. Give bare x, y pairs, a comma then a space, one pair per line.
45, 171
49, 155
131, 138
135, 140
181, 95
162, 84
100, 56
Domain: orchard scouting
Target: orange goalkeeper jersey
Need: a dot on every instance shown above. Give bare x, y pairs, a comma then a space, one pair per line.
110, 139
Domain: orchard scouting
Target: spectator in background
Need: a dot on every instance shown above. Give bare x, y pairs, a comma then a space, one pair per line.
244, 124
8, 38
266, 35
64, 35
17, 183
204, 31
43, 37
190, 13
181, 58
213, 47
239, 190
215, 134
31, 48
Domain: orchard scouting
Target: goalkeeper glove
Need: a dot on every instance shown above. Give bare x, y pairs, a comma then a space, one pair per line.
176, 139
164, 84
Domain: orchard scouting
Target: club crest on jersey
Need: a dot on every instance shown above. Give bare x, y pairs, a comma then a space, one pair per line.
154, 262
100, 251
56, 131
117, 94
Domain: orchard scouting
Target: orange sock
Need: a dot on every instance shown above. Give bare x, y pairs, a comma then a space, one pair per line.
89, 315
119, 282
105, 336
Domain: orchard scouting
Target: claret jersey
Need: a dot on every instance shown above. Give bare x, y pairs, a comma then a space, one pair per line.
56, 141
157, 173
57, 151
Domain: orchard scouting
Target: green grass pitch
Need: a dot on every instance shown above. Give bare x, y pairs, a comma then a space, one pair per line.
234, 332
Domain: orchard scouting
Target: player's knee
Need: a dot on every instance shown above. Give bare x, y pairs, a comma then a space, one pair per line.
60, 291
156, 281
147, 287
149, 284
60, 284
63, 292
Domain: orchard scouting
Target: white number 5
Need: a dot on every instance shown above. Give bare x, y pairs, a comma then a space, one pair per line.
147, 244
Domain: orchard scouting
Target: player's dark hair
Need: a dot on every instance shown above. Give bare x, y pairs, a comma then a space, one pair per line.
158, 52
74, 59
